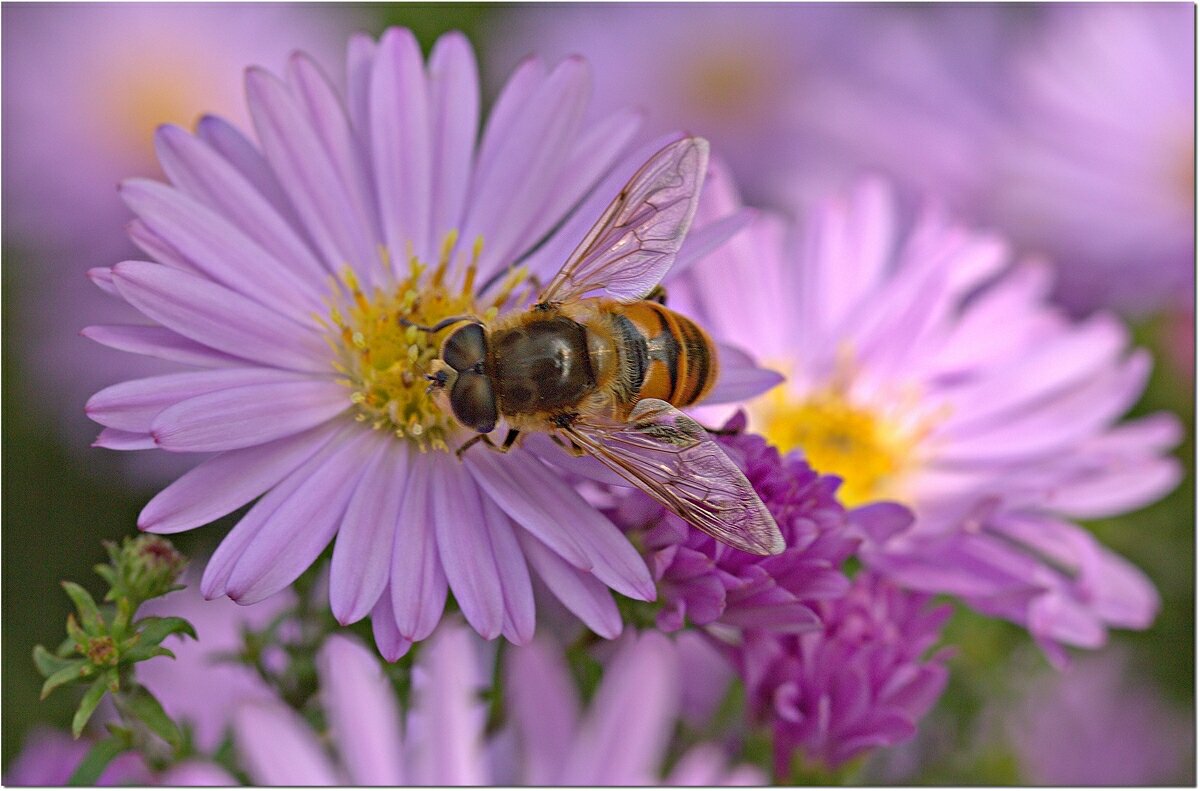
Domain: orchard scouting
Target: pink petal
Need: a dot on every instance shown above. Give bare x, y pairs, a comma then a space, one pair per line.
512, 573
198, 170
116, 439
465, 547
216, 247
241, 417
278, 748
362, 554
158, 342
612, 558
545, 710
454, 114
222, 319
133, 405
631, 717
383, 626
362, 710
301, 523
400, 144
418, 583
448, 746
581, 593
228, 481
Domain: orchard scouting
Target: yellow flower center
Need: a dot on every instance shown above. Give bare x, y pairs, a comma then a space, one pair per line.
384, 361
728, 82
872, 448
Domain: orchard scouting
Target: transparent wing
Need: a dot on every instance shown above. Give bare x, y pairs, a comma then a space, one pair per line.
634, 242
672, 458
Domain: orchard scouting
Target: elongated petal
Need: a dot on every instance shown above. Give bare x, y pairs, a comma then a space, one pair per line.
418, 584
400, 143
158, 342
388, 640
278, 748
217, 317
200, 171
631, 717
216, 247
228, 481
133, 405
465, 547
612, 558
290, 539
579, 591
333, 216
363, 552
116, 439
364, 717
545, 710
512, 573
241, 417
740, 378
454, 114
446, 726
531, 153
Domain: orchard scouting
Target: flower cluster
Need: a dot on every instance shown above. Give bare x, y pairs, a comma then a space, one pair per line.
861, 682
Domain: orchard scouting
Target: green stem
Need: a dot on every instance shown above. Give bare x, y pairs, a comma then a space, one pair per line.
97, 759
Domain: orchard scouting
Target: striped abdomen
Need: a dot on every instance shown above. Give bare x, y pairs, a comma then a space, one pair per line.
663, 354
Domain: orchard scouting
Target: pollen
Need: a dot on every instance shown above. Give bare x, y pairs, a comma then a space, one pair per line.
383, 359
872, 445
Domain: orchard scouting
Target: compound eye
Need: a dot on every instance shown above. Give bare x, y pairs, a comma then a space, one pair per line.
465, 347
473, 402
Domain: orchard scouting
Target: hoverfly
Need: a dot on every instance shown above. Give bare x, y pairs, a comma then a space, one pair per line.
604, 375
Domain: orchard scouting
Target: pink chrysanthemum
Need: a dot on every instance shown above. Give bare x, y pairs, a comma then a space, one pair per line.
922, 369
281, 270
860, 683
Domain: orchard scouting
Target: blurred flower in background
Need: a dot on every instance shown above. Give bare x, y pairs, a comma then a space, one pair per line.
1097, 722
1100, 173
1069, 128
923, 368
725, 71
85, 86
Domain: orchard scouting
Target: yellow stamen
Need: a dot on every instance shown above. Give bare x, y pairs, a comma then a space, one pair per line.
870, 447
383, 362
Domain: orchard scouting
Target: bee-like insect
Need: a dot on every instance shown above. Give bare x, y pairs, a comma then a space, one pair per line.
604, 375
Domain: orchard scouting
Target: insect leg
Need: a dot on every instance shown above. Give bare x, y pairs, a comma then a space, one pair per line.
505, 447
441, 325
569, 447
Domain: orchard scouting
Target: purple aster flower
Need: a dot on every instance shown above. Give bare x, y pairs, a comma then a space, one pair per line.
126, 68
702, 581
1118, 212
859, 683
281, 273
727, 72
1098, 722
923, 369
623, 736
440, 739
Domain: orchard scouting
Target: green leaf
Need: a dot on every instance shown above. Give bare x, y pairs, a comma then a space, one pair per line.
75, 670
75, 635
108, 575
154, 630
89, 614
47, 663
146, 708
94, 763
91, 699
140, 653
